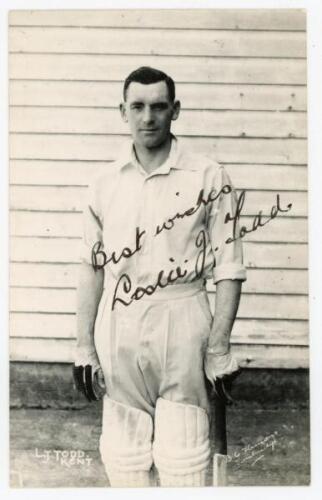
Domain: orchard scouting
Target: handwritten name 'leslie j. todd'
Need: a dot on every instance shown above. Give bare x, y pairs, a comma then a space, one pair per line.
163, 280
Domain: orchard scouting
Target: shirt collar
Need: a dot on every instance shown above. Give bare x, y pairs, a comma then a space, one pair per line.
173, 161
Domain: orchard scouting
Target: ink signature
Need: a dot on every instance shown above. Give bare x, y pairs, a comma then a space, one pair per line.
162, 280
257, 221
255, 452
100, 258
212, 196
127, 252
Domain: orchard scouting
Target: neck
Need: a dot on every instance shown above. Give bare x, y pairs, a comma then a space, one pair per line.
152, 158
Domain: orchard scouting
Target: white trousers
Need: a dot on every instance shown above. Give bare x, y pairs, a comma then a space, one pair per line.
156, 408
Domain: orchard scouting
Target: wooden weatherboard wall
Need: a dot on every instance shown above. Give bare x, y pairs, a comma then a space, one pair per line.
241, 78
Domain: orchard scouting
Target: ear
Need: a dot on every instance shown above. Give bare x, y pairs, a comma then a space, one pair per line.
176, 110
123, 112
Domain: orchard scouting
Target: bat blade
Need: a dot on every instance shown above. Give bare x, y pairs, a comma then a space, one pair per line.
220, 470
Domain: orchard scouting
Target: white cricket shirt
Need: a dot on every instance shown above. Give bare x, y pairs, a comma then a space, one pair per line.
171, 221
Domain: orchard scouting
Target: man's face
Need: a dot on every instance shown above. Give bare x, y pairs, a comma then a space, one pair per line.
149, 112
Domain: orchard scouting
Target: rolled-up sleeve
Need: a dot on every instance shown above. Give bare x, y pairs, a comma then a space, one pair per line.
228, 256
92, 223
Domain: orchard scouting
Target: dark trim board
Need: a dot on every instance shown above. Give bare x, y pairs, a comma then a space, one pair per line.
50, 385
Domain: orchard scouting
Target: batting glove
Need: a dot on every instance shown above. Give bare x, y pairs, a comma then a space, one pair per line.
88, 375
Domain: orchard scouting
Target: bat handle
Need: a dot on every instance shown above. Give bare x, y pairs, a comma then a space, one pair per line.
220, 436
220, 433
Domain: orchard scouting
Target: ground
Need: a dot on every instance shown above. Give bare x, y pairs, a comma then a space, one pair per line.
59, 447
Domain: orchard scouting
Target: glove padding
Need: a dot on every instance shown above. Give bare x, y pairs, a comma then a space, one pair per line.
86, 381
222, 387
88, 375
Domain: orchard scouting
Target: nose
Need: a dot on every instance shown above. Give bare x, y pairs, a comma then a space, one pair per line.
147, 115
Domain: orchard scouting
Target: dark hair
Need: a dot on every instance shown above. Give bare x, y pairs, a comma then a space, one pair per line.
147, 75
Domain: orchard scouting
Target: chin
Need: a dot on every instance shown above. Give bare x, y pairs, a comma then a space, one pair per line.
150, 143
154, 142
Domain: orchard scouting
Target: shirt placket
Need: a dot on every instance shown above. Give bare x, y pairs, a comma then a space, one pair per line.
145, 255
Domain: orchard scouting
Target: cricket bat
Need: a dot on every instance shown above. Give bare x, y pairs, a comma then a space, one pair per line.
222, 398
220, 435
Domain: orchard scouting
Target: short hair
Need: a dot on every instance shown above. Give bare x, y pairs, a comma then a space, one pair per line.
147, 75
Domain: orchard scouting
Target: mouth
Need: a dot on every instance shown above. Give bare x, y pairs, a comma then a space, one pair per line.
148, 130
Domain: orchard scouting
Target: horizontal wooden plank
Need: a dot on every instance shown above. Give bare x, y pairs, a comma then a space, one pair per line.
180, 68
42, 325
192, 96
251, 305
274, 177
45, 350
91, 147
261, 19
195, 123
272, 281
42, 300
65, 173
44, 275
150, 41
276, 256
267, 331
279, 332
66, 276
62, 250
281, 229
68, 198
45, 250
251, 356
292, 357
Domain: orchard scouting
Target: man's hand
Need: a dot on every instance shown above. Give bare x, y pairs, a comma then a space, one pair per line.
221, 370
217, 365
88, 375
223, 386
220, 365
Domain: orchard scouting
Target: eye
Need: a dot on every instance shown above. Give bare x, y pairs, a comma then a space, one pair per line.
136, 106
160, 107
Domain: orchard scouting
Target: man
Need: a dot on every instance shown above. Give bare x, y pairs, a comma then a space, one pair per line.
155, 228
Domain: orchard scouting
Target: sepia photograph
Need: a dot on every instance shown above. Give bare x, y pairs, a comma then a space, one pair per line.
159, 319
